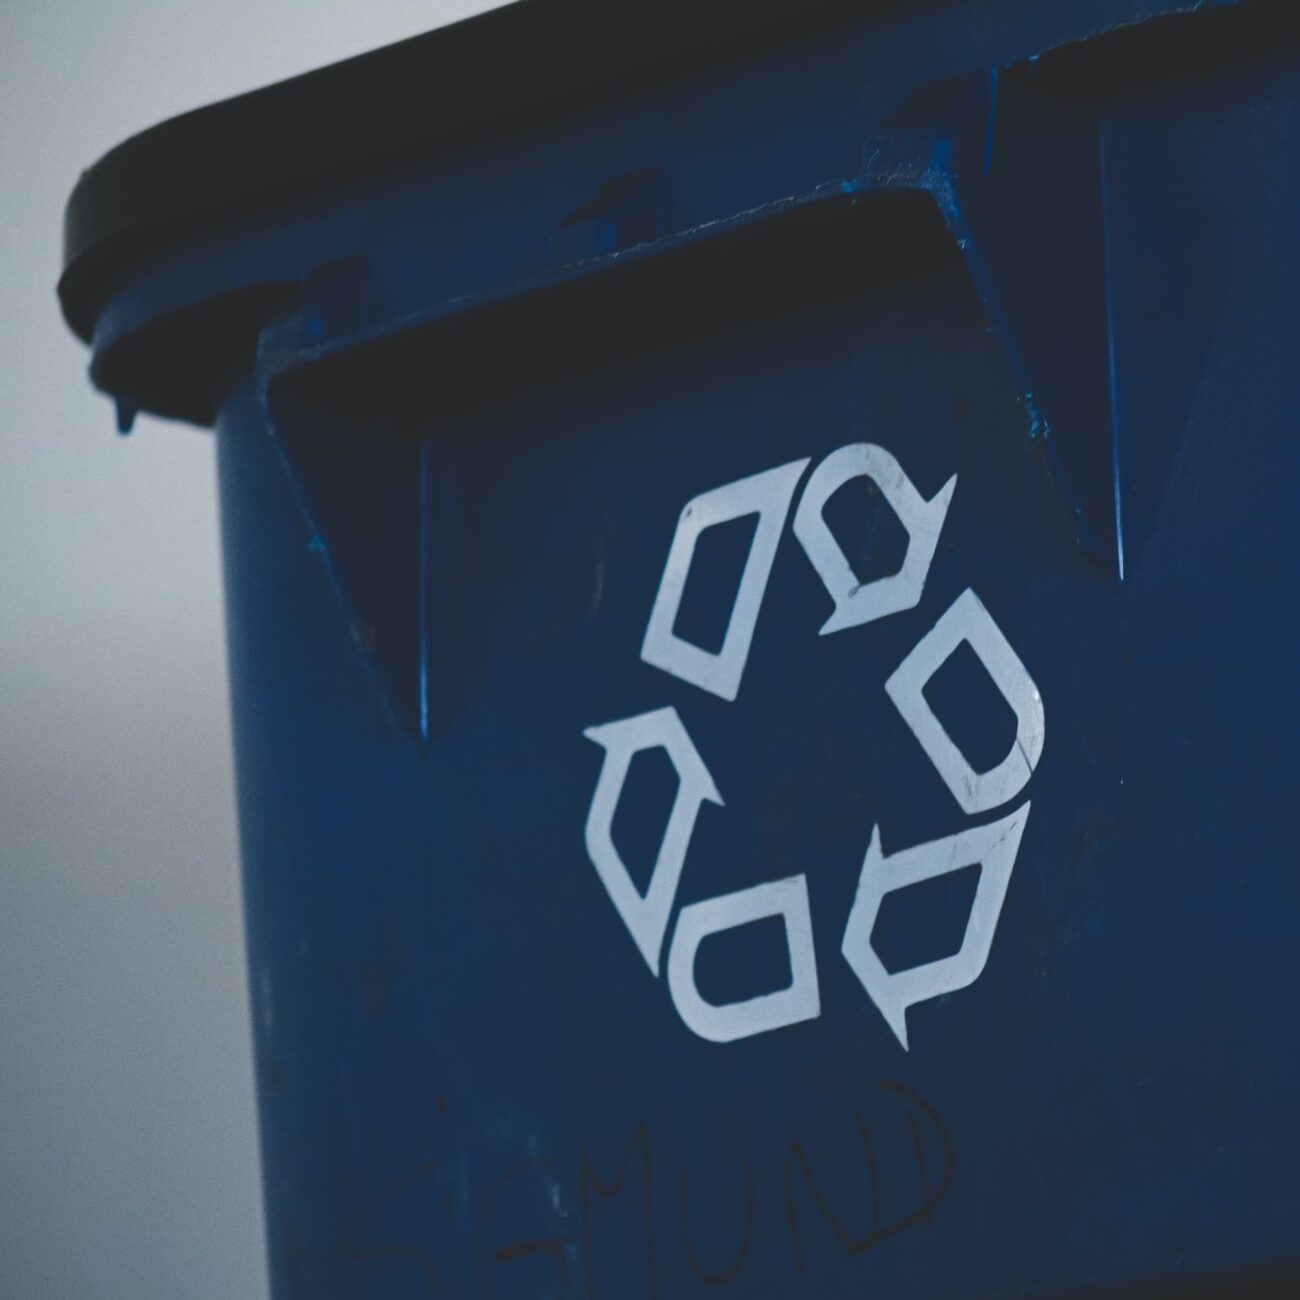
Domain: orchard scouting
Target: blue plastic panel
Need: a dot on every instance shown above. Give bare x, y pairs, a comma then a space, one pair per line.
479, 1077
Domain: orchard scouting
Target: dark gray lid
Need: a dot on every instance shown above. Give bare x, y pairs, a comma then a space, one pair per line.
431, 94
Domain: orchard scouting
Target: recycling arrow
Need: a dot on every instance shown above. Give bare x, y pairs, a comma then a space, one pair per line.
993, 847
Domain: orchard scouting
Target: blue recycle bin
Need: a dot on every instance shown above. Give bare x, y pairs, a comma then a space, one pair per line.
761, 560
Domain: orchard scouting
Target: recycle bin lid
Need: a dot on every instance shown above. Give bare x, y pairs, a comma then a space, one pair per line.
236, 158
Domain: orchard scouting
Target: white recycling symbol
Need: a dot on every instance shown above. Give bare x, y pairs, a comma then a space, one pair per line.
992, 846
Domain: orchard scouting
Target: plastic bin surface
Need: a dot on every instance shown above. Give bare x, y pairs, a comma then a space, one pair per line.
761, 593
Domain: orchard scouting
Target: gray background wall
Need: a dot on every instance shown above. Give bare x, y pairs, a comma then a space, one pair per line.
127, 1143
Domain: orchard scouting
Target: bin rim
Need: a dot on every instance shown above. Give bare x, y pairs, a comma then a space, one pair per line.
239, 157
